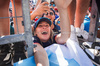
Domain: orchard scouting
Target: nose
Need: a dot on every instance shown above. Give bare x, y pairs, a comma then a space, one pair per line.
49, 15
44, 27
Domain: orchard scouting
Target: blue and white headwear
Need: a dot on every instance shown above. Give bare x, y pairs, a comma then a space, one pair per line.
41, 20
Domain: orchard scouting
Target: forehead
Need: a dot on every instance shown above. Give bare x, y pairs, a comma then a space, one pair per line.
43, 22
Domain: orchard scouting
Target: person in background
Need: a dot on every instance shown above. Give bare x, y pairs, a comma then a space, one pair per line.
77, 10
43, 36
39, 10
56, 13
52, 4
18, 47
51, 15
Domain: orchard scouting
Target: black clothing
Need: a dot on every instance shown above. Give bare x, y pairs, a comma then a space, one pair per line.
44, 44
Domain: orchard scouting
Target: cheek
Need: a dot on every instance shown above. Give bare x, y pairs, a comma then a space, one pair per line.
49, 31
49, 17
53, 17
37, 31
44, 15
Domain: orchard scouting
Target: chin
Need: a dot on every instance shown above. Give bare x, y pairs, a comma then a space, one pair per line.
45, 38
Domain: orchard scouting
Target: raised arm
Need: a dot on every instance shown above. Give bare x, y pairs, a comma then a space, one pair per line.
40, 9
38, 1
65, 24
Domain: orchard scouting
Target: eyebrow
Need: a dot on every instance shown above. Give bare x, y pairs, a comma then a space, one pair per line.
42, 23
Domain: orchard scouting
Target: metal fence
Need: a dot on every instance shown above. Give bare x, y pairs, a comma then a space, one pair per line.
27, 35
94, 22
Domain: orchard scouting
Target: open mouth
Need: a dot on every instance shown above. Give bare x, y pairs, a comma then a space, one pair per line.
44, 32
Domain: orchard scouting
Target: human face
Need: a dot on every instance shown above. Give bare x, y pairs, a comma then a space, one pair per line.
50, 15
43, 31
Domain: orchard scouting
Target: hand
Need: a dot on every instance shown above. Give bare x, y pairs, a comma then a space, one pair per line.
62, 4
41, 8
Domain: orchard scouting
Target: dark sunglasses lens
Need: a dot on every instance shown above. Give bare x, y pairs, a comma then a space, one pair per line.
50, 4
47, 14
53, 5
51, 13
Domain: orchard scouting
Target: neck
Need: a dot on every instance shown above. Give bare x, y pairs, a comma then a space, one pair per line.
44, 40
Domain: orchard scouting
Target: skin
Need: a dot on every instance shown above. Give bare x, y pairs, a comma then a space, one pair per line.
64, 25
18, 7
43, 27
51, 17
40, 9
4, 13
4, 23
78, 8
41, 58
60, 38
40, 53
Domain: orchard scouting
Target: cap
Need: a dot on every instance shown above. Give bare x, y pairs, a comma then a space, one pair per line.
42, 19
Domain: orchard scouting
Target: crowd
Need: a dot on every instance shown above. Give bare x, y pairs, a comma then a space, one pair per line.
53, 23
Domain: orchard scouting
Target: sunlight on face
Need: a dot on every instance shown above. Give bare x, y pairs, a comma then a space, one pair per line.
43, 31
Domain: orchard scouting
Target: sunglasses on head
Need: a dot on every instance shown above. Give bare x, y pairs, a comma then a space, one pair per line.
51, 13
52, 5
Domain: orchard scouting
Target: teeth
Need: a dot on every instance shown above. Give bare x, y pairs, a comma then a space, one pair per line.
44, 32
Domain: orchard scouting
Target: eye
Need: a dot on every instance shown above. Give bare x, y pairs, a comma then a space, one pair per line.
53, 5
47, 25
39, 25
51, 13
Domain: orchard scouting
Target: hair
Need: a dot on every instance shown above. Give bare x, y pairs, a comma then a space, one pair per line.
52, 2
51, 35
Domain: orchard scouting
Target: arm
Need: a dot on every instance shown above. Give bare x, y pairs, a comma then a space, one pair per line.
65, 24
38, 1
40, 55
40, 9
